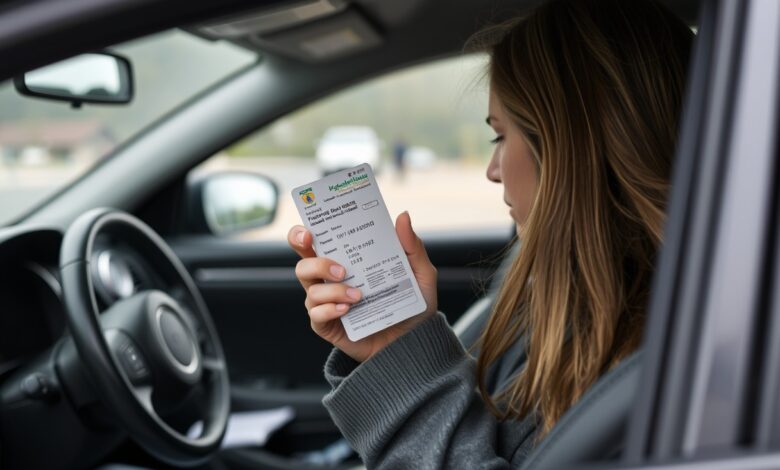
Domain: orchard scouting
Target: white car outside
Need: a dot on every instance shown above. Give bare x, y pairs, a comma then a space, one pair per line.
347, 146
420, 158
34, 156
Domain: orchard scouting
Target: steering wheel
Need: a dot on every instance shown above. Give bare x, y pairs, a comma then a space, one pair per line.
149, 351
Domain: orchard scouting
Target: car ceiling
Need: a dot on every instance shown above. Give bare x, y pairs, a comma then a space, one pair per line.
328, 30
37, 32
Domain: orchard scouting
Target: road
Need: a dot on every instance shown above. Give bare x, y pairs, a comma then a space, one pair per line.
448, 196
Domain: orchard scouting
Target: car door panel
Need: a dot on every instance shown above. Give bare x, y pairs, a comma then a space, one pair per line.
274, 358
257, 303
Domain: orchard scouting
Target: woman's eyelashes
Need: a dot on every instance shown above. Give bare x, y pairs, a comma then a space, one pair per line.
498, 139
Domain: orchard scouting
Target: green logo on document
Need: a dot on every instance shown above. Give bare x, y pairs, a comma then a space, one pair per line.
307, 196
348, 183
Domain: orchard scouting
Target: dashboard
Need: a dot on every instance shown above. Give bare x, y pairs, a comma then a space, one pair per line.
32, 312
46, 400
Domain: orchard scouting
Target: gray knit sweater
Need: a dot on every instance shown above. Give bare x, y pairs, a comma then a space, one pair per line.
415, 405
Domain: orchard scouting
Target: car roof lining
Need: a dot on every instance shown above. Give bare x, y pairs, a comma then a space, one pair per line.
386, 18
33, 34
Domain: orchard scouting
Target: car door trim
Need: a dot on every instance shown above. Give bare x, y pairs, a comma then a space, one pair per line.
243, 275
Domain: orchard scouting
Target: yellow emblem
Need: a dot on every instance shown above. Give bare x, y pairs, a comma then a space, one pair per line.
307, 197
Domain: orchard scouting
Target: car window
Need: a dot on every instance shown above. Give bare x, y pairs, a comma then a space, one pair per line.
45, 145
422, 129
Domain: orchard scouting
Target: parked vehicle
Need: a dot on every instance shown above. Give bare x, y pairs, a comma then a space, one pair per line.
420, 158
347, 146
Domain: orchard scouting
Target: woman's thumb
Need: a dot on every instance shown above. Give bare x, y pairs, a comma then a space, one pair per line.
421, 266
411, 243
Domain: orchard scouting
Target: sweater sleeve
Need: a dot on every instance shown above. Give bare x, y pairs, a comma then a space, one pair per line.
414, 404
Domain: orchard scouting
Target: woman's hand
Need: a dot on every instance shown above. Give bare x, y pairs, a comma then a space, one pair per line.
328, 302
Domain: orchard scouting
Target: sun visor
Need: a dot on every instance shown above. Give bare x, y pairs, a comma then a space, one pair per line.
336, 36
271, 20
311, 31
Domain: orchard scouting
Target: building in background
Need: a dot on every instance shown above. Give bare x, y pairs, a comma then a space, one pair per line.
67, 141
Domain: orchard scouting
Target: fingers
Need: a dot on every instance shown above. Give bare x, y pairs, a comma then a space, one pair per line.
327, 312
328, 302
338, 293
314, 270
301, 241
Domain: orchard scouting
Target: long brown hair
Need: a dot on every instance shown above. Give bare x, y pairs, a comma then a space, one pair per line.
596, 88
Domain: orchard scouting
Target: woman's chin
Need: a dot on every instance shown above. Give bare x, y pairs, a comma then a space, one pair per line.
518, 228
519, 221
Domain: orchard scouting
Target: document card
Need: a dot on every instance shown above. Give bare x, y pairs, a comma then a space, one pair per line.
349, 221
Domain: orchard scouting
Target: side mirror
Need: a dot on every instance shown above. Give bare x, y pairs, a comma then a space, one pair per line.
228, 202
98, 77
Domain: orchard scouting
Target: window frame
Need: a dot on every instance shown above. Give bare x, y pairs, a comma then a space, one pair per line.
717, 181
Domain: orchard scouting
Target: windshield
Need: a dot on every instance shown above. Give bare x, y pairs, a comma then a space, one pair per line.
45, 145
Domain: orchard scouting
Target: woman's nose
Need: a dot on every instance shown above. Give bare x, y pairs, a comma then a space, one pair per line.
494, 169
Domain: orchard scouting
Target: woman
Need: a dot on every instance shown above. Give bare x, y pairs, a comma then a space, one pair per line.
584, 99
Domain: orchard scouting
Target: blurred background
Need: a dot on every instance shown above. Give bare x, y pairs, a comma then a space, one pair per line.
421, 128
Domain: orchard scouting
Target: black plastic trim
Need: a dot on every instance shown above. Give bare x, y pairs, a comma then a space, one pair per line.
674, 314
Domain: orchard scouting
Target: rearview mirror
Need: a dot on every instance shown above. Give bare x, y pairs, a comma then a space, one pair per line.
98, 77
229, 202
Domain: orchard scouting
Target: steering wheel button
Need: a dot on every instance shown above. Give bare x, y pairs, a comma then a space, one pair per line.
32, 386
38, 386
133, 362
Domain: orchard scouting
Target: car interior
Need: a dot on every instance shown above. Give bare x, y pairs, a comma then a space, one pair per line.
98, 275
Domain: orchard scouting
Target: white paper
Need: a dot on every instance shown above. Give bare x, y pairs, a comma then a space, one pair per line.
249, 428
349, 220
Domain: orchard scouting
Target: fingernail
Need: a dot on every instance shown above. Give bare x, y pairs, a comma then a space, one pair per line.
337, 271
341, 307
353, 293
299, 238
